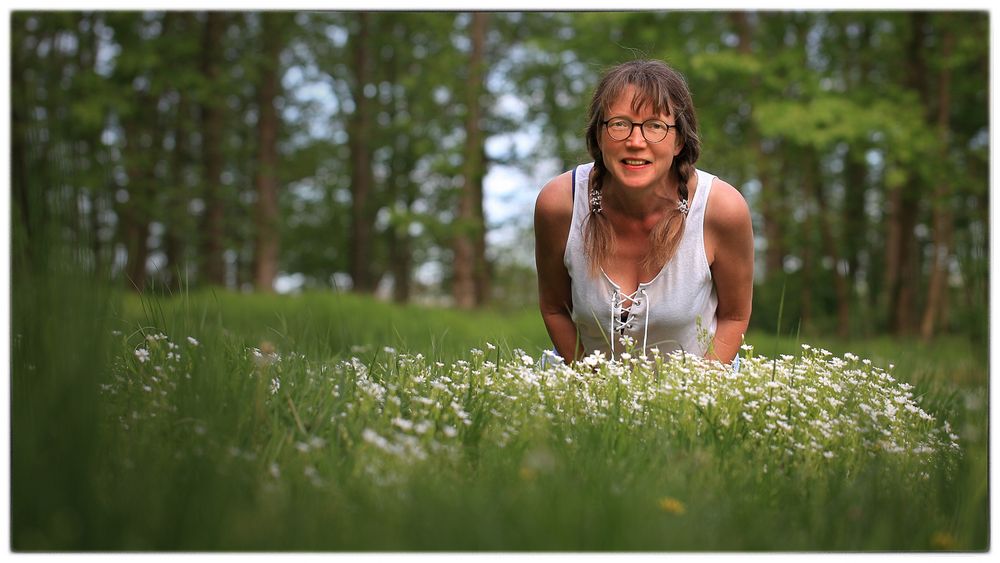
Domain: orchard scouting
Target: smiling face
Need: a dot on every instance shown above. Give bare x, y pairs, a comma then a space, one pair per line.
634, 162
638, 90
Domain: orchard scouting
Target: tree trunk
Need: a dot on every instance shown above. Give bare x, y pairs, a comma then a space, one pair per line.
362, 180
140, 146
20, 166
903, 208
399, 189
471, 276
266, 220
213, 227
770, 194
841, 286
806, 298
174, 237
176, 221
855, 235
942, 223
904, 204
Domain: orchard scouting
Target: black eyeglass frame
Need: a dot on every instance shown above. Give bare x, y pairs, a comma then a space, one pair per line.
641, 126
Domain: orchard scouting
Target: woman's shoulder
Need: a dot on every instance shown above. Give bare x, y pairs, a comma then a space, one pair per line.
555, 199
726, 208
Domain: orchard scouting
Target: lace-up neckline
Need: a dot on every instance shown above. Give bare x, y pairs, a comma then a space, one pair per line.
622, 317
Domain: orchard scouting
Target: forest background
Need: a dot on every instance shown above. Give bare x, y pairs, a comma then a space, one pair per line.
347, 151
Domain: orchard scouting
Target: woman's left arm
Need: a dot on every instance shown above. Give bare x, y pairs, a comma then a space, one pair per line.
729, 245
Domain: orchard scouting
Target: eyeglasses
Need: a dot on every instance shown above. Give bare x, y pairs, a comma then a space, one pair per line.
653, 130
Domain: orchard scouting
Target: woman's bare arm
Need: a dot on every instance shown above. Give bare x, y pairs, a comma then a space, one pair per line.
730, 233
553, 214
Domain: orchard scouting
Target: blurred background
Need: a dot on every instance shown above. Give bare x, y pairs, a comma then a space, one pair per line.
399, 153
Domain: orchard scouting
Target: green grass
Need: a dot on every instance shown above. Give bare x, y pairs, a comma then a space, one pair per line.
324, 324
336, 422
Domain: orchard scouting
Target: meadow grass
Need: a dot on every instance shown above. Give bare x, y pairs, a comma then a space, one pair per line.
220, 421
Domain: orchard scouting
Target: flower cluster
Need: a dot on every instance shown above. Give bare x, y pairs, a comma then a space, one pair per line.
397, 410
151, 372
792, 411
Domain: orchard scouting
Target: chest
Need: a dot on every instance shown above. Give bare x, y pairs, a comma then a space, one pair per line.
627, 266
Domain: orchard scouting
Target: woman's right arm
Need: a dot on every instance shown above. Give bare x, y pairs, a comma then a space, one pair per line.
553, 215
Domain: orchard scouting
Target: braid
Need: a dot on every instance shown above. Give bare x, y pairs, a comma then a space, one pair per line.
666, 235
599, 237
684, 171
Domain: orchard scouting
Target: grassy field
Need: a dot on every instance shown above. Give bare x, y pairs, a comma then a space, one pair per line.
217, 421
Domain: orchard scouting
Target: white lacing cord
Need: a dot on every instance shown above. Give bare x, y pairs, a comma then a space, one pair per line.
645, 324
618, 325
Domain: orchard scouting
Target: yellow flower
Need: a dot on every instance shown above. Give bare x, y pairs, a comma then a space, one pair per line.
942, 540
671, 505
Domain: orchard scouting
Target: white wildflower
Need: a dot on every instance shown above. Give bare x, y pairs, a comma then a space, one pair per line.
594, 359
402, 423
313, 475
373, 438
193, 341
142, 354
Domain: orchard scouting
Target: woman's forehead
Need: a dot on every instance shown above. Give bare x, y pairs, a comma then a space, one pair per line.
639, 101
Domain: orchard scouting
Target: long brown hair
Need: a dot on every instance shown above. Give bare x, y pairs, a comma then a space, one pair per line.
666, 90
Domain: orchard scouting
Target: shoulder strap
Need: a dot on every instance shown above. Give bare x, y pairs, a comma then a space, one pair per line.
573, 185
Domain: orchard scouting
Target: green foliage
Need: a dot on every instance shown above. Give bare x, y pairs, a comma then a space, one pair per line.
327, 325
110, 148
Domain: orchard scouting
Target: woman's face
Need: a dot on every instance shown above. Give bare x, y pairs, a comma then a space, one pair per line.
634, 162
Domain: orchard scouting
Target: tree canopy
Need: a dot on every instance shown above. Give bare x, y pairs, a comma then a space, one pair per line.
352, 150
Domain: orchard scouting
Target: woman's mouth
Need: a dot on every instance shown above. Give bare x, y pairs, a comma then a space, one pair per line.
634, 162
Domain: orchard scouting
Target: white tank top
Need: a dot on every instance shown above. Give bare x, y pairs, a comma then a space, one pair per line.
676, 310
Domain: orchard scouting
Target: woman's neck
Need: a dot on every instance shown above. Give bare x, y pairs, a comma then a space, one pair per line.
641, 204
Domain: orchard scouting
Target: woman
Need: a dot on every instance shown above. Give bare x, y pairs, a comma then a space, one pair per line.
640, 245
